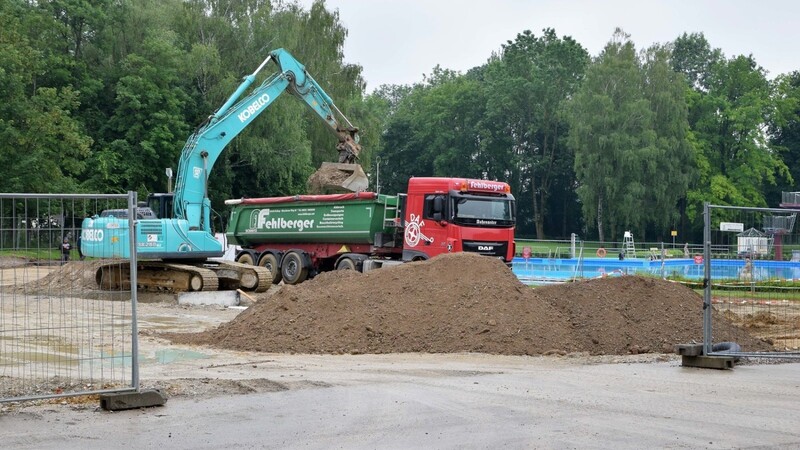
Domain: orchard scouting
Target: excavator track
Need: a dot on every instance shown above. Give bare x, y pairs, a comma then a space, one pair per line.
251, 278
155, 276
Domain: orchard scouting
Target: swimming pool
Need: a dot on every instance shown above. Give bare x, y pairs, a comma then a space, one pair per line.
556, 270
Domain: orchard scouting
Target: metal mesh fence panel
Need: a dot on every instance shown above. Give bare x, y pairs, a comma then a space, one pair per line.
61, 334
752, 281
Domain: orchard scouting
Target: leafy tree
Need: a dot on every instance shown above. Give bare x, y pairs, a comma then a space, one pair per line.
784, 127
52, 146
148, 115
693, 56
730, 124
628, 129
435, 131
669, 163
733, 110
43, 145
528, 91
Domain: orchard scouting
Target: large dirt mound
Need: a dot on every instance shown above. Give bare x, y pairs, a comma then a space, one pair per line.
466, 303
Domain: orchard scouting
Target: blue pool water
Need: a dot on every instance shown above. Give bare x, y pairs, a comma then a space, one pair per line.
543, 270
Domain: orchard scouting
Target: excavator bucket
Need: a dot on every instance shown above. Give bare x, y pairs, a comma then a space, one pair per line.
338, 177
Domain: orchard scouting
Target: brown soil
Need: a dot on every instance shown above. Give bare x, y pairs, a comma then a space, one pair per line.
468, 303
329, 178
74, 277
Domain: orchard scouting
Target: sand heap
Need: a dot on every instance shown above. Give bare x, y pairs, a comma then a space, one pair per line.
468, 303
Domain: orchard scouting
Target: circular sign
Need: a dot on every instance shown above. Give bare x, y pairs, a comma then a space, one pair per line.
526, 252
698, 259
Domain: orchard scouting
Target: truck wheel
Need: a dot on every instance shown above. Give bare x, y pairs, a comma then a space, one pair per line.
270, 261
293, 269
245, 258
346, 264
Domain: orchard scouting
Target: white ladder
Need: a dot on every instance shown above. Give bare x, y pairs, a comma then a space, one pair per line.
628, 245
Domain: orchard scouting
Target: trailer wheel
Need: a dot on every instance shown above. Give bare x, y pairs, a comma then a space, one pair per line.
245, 258
270, 261
293, 268
346, 264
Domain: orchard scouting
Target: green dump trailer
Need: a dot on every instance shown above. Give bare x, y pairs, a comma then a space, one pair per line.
350, 218
313, 231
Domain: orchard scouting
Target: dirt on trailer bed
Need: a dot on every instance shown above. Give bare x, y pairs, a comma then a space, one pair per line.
468, 303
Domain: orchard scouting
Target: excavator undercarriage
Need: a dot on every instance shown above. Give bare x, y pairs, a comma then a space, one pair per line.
159, 276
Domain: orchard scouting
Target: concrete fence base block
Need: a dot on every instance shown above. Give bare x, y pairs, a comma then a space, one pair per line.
221, 298
708, 362
132, 400
689, 349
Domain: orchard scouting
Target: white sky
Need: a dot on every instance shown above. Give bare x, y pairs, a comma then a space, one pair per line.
397, 41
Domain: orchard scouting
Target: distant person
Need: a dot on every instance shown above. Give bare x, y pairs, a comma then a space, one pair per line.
621, 255
686, 250
747, 271
65, 249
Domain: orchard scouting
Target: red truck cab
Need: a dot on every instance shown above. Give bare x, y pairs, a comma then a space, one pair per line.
444, 215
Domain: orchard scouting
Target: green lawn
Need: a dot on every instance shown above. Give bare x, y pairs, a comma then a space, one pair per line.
33, 254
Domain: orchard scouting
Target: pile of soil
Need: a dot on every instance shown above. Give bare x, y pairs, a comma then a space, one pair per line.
468, 303
73, 278
7, 262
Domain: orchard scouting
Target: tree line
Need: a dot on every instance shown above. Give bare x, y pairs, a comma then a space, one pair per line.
100, 96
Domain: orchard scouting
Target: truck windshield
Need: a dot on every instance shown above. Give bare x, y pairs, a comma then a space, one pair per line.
479, 210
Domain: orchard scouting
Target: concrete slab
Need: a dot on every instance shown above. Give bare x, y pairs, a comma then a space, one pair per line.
131, 400
221, 298
399, 401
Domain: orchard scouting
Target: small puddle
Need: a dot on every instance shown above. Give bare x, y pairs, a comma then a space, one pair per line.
168, 356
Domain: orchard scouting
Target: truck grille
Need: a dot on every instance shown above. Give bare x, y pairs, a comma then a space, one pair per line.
498, 249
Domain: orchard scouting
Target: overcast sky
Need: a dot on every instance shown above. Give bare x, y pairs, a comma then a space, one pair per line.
397, 41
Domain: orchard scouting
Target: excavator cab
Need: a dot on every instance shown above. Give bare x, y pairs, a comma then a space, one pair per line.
161, 204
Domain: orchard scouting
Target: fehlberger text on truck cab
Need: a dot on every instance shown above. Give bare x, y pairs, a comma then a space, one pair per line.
487, 186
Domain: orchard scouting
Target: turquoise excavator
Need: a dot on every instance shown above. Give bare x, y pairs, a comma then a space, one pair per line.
174, 250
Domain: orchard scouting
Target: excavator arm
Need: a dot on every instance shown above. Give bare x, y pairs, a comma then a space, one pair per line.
207, 143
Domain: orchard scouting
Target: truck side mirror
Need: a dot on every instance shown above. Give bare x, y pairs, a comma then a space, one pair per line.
438, 207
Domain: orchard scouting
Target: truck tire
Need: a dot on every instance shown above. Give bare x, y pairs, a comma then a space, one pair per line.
293, 268
245, 258
346, 264
270, 261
